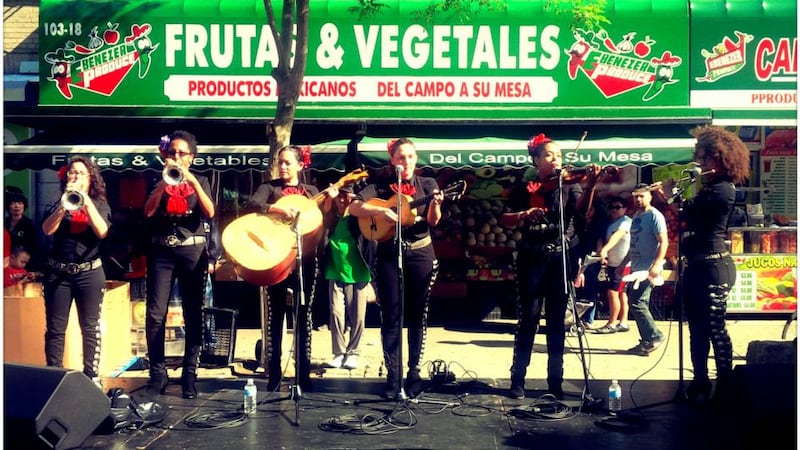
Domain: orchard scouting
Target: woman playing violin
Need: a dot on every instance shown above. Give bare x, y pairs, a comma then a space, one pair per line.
538, 264
420, 265
291, 161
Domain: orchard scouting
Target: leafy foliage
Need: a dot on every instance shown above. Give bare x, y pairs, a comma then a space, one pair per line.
460, 11
367, 8
586, 14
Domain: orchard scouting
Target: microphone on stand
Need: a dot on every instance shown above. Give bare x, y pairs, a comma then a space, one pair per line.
399, 169
694, 171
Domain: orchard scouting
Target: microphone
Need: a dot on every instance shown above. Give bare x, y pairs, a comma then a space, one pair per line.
693, 172
398, 168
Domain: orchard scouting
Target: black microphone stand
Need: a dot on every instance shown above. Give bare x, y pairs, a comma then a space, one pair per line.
586, 397
398, 235
402, 397
295, 392
680, 393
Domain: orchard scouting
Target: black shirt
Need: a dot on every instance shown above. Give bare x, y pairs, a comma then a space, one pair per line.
77, 244
181, 225
706, 218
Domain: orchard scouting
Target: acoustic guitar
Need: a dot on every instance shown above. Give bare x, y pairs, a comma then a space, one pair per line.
263, 247
377, 228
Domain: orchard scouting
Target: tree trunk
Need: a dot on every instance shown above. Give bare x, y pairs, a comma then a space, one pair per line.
288, 74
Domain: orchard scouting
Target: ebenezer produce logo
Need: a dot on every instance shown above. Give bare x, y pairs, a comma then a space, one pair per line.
619, 67
101, 63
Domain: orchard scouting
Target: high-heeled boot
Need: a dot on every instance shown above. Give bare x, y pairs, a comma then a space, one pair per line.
191, 360
158, 381
699, 390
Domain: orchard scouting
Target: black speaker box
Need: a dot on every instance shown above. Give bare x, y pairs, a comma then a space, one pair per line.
48, 407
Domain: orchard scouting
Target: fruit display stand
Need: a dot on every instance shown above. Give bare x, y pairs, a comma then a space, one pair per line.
24, 328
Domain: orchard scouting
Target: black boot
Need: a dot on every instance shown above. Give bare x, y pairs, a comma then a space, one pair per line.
158, 381
413, 383
517, 390
188, 379
392, 390
699, 390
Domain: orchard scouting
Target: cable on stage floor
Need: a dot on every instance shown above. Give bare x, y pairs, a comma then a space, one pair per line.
217, 420
546, 407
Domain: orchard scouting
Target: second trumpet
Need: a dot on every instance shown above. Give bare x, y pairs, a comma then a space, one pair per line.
72, 200
172, 174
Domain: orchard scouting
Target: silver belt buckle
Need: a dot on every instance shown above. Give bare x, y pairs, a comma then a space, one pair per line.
73, 268
172, 241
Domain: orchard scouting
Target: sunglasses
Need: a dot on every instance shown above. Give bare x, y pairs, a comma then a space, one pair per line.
616, 207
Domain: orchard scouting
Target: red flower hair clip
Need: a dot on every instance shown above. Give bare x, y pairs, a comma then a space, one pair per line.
305, 154
538, 140
62, 173
390, 145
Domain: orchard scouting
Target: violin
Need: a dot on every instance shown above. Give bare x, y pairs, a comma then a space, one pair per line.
573, 175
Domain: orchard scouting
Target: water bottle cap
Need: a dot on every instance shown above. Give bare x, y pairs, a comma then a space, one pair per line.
614, 381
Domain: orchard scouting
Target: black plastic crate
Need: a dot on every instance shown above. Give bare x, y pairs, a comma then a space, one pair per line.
219, 337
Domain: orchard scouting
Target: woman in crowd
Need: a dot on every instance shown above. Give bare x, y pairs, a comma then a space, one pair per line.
21, 227
419, 263
177, 209
76, 224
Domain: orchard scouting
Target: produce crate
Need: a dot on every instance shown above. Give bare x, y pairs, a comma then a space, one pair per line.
219, 337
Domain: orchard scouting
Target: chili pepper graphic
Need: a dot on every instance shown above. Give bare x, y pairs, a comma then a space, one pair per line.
78, 48
60, 74
664, 71
143, 45
60, 70
577, 56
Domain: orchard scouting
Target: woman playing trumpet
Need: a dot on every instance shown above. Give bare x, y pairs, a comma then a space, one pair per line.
177, 208
77, 225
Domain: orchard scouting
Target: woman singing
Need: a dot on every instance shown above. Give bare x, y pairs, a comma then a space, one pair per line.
77, 226
710, 274
419, 264
177, 209
291, 161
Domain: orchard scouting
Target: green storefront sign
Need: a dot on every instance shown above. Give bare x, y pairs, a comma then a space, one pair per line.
214, 58
744, 60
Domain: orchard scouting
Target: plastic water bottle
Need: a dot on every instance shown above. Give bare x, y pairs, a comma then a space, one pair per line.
614, 397
250, 397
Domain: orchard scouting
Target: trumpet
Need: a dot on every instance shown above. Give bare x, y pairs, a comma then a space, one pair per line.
72, 200
172, 174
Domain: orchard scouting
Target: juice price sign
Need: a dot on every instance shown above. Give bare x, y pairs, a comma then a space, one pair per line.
764, 284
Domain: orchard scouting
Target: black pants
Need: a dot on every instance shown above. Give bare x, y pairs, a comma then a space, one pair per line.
419, 274
707, 284
540, 284
87, 288
278, 311
189, 265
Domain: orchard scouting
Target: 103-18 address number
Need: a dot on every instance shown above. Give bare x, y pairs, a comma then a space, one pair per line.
61, 29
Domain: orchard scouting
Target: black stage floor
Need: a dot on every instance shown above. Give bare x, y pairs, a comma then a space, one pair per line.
351, 414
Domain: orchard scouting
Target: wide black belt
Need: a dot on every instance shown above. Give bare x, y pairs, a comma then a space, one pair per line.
174, 241
708, 256
73, 268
